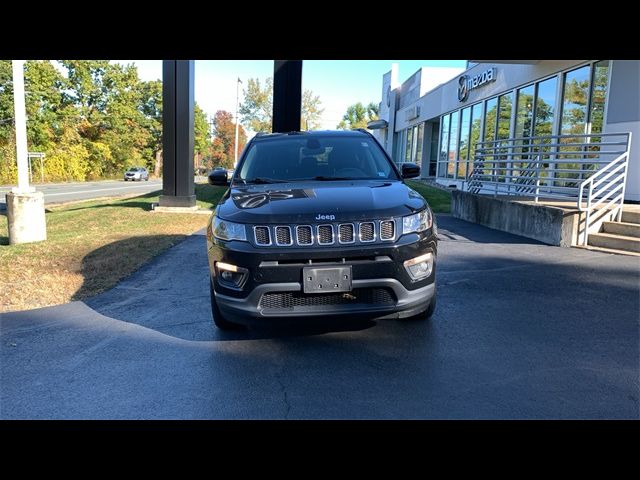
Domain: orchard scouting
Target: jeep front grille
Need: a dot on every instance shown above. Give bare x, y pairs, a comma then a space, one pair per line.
283, 236
367, 232
387, 229
346, 233
325, 234
263, 236
304, 234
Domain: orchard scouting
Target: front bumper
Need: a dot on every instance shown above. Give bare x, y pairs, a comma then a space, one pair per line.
381, 287
248, 309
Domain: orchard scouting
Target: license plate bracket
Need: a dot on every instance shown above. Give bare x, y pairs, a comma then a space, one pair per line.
326, 279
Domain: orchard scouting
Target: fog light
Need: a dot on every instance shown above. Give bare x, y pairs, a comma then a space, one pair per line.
420, 267
231, 276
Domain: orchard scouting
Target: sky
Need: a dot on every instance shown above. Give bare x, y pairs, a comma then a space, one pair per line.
339, 83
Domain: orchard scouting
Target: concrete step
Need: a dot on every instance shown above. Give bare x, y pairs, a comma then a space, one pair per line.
630, 216
622, 228
616, 242
609, 250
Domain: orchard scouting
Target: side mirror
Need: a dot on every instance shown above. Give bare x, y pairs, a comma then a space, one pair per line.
218, 177
410, 170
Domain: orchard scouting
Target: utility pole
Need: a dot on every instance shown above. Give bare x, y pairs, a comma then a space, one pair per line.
21, 128
235, 158
25, 206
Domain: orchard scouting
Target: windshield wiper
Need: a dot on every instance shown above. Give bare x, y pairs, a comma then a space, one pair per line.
322, 178
263, 180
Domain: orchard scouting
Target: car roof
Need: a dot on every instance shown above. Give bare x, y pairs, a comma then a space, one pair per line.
312, 133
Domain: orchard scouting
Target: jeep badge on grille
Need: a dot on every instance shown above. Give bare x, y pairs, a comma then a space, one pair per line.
325, 217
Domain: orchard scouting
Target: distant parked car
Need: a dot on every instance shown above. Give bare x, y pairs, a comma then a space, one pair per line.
136, 173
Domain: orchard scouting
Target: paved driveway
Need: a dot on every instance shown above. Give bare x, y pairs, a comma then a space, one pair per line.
522, 330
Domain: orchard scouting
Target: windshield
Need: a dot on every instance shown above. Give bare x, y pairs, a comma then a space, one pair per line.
315, 158
133, 169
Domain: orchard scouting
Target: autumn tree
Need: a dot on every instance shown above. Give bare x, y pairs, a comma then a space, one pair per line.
256, 110
223, 147
358, 115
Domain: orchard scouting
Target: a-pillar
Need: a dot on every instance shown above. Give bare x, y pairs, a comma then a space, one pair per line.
178, 189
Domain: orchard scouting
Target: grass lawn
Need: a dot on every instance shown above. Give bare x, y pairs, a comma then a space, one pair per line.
90, 247
439, 200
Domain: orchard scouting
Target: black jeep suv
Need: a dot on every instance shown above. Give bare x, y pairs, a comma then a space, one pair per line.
320, 224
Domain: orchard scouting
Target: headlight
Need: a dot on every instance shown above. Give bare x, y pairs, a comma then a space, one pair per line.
418, 222
225, 230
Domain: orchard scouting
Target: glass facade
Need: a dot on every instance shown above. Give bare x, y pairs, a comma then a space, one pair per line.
575, 99
598, 95
491, 109
526, 111
545, 106
476, 125
452, 154
444, 144
463, 157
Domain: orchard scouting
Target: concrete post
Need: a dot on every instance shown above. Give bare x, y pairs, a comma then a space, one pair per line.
287, 95
25, 206
178, 191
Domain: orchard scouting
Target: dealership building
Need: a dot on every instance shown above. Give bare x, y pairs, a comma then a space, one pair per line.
439, 128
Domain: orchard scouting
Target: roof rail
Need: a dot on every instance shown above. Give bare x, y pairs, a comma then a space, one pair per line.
363, 130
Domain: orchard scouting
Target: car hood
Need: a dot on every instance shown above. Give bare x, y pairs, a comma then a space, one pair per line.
308, 202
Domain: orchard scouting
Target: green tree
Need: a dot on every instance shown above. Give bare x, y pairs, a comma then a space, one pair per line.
151, 108
256, 109
311, 115
201, 141
358, 116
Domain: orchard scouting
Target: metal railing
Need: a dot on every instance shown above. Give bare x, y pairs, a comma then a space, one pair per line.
590, 169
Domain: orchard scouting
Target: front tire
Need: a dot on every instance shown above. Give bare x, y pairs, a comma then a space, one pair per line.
221, 322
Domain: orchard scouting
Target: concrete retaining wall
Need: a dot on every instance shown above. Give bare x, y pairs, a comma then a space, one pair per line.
551, 225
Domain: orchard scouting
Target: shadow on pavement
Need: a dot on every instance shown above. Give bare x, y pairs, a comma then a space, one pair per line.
300, 327
134, 202
171, 294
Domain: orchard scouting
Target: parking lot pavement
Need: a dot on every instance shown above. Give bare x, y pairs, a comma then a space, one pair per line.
522, 330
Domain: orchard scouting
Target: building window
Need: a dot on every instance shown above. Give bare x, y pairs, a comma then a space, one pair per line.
524, 112
419, 141
474, 137
574, 101
598, 95
452, 155
490, 118
463, 147
505, 103
433, 147
545, 107
408, 144
444, 145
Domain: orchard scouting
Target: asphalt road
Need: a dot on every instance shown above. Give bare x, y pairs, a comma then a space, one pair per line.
522, 330
67, 192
